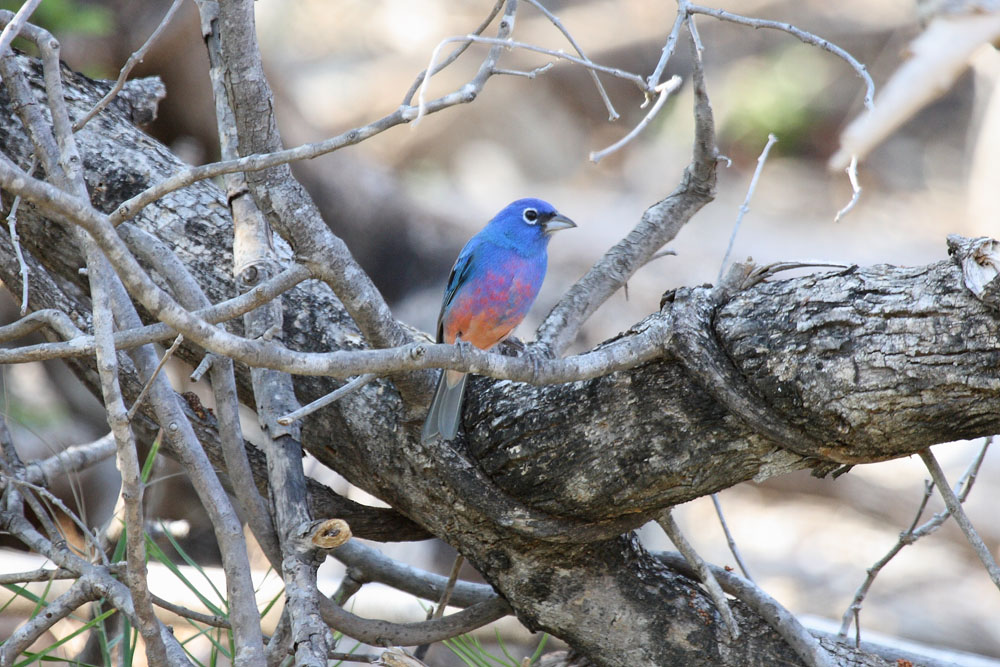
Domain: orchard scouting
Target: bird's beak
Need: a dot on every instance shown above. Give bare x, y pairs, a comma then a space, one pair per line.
557, 222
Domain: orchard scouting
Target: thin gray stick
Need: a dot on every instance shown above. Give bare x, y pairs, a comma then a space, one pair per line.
453, 56
852, 176
50, 497
911, 535
422, 104
337, 394
438, 612
12, 29
15, 239
665, 89
783, 621
81, 345
800, 34
126, 69
729, 538
145, 388
953, 504
612, 114
673, 531
761, 159
668, 47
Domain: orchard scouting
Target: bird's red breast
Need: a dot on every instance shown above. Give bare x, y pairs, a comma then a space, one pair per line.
486, 311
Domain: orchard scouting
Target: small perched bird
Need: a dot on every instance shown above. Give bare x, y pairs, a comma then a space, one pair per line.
490, 289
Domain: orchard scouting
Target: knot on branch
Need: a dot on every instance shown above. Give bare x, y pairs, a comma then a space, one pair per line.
979, 260
321, 534
694, 343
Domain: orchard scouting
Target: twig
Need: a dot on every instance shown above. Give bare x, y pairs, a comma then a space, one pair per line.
422, 105
438, 612
668, 47
852, 175
145, 388
664, 90
53, 318
129, 338
512, 44
101, 277
15, 240
954, 505
100, 578
729, 538
340, 392
761, 159
366, 564
673, 531
800, 34
207, 619
50, 497
530, 74
612, 114
24, 636
133, 60
12, 29
784, 622
659, 225
203, 367
353, 657
907, 537
453, 56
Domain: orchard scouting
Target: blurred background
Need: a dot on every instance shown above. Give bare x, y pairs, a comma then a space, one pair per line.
407, 200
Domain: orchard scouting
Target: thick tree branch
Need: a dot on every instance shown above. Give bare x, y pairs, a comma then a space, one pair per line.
872, 363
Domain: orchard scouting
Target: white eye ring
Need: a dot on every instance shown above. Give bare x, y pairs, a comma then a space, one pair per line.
530, 216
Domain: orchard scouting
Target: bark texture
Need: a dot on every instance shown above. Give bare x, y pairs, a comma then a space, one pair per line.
542, 490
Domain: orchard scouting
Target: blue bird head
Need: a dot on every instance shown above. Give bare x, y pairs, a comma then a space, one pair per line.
528, 223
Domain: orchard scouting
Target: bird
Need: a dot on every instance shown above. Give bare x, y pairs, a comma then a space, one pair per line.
492, 285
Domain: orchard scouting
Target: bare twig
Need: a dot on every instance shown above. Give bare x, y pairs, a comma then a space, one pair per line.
15, 239
85, 530
340, 392
422, 104
798, 33
145, 389
63, 165
129, 338
954, 505
729, 538
668, 47
664, 91
438, 612
852, 175
784, 622
55, 319
203, 367
207, 619
26, 634
673, 531
128, 462
660, 223
529, 74
761, 159
367, 564
453, 56
13, 28
612, 114
132, 61
909, 536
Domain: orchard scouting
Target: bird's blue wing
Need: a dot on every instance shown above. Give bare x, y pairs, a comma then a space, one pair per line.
459, 274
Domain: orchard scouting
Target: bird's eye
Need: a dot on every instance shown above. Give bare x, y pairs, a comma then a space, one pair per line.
530, 216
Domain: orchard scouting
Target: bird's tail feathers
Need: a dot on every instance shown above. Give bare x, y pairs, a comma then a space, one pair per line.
445, 413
